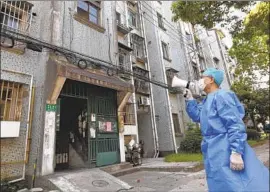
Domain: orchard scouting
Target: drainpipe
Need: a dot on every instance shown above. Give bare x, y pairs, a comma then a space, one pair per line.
28, 120
154, 126
120, 122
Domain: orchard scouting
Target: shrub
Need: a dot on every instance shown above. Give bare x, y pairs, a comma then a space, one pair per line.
252, 134
192, 141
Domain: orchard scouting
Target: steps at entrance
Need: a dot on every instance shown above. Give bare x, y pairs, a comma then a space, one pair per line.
120, 169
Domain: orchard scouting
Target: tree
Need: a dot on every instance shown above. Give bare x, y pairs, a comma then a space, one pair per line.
208, 13
256, 101
251, 44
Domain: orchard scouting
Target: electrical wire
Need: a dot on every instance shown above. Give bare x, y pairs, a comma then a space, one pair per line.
71, 56
168, 23
173, 29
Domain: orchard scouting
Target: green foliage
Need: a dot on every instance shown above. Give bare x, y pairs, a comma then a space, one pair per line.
252, 134
192, 141
207, 13
184, 157
256, 101
251, 45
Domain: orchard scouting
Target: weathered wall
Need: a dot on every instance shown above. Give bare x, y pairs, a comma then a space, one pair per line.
84, 39
161, 101
32, 63
145, 129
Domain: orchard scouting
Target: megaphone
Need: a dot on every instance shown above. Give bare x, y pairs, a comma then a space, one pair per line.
191, 85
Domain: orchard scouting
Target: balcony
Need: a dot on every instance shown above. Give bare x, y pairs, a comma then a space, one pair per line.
142, 87
129, 118
122, 28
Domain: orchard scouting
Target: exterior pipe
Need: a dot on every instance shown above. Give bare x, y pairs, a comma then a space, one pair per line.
154, 127
28, 120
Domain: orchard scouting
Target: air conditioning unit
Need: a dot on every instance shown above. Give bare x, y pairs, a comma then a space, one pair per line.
144, 101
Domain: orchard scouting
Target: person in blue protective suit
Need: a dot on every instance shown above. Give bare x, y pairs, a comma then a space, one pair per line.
230, 163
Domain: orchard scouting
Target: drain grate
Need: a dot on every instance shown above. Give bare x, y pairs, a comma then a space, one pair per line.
100, 183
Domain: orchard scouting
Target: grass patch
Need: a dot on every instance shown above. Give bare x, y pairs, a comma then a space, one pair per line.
189, 157
255, 143
184, 157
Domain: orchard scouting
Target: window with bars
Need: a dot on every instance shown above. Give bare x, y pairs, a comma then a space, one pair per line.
129, 114
89, 11
122, 59
176, 124
11, 100
16, 15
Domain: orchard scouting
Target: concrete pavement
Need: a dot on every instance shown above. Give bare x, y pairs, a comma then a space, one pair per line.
176, 181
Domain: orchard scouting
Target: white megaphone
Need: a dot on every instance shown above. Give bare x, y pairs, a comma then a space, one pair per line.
192, 86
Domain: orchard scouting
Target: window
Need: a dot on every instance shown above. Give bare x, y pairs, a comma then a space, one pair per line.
118, 18
132, 19
188, 36
89, 10
216, 61
195, 71
11, 100
16, 15
138, 50
122, 59
160, 21
165, 50
176, 124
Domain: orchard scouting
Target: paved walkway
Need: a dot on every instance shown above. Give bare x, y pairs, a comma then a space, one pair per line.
177, 181
87, 180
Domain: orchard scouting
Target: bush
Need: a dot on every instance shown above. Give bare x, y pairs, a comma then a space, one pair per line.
192, 141
252, 134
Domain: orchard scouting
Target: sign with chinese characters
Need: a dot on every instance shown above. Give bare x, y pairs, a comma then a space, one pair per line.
50, 107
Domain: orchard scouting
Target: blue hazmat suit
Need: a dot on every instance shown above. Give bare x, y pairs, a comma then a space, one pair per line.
220, 116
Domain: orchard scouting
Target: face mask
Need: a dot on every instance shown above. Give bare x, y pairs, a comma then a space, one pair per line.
201, 84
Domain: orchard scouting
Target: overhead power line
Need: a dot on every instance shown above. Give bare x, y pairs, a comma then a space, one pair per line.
72, 55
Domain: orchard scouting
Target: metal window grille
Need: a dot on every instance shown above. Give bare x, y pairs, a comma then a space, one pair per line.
129, 115
11, 100
16, 16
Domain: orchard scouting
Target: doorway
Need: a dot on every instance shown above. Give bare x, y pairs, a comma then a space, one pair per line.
71, 133
86, 127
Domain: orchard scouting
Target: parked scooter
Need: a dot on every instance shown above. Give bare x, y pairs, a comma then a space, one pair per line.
133, 153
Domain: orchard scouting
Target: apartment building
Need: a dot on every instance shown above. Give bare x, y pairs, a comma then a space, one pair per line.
213, 52
133, 55
79, 79
67, 51
169, 54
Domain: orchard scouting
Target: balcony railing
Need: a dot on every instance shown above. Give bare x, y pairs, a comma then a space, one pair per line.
142, 87
123, 28
129, 118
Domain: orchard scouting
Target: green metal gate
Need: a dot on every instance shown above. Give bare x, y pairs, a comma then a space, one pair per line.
103, 135
104, 146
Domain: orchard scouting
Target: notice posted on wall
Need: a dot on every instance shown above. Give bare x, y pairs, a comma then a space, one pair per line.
105, 126
109, 126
